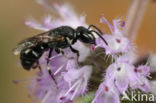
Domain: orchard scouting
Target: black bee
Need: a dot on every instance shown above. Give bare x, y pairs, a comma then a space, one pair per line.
31, 49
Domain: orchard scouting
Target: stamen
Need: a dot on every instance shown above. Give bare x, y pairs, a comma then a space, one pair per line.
76, 90
143, 84
93, 47
135, 70
38, 79
72, 91
46, 96
118, 40
58, 70
96, 96
104, 20
54, 56
22, 80
149, 76
62, 98
140, 70
74, 85
122, 24
118, 69
106, 88
107, 58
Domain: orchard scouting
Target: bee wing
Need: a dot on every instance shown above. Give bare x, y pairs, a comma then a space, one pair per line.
32, 41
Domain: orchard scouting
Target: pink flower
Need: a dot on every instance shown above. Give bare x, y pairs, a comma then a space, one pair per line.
143, 83
45, 89
62, 67
122, 74
117, 42
107, 93
77, 79
72, 79
65, 11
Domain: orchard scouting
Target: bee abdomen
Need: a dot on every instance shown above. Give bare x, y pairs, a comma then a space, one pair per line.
30, 56
27, 63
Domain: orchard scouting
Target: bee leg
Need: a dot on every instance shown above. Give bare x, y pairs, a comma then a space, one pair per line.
48, 68
75, 51
59, 50
49, 56
39, 67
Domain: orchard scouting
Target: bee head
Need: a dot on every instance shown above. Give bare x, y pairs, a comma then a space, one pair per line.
85, 35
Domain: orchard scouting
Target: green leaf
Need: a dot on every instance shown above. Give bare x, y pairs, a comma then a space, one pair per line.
86, 99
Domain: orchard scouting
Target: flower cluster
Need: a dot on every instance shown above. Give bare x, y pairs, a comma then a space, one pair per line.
72, 79
121, 74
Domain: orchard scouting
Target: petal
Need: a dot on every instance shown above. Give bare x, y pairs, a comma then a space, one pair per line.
71, 64
104, 20
143, 70
116, 44
143, 84
111, 98
83, 50
106, 96
48, 23
121, 77
71, 75
122, 85
35, 25
146, 87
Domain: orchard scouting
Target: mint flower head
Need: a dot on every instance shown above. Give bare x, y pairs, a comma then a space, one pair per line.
117, 41
107, 93
108, 80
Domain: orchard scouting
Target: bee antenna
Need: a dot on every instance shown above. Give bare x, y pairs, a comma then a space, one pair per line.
100, 36
95, 28
97, 32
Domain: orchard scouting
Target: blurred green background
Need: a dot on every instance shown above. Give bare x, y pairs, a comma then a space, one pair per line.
12, 30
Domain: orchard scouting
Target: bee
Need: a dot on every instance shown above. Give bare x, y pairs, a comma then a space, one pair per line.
31, 49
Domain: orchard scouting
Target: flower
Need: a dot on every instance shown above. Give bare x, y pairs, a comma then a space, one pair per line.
117, 42
65, 11
44, 89
142, 73
107, 93
77, 79
61, 66
73, 76
122, 74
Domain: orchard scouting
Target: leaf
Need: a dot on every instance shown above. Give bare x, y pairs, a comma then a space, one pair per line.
86, 98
